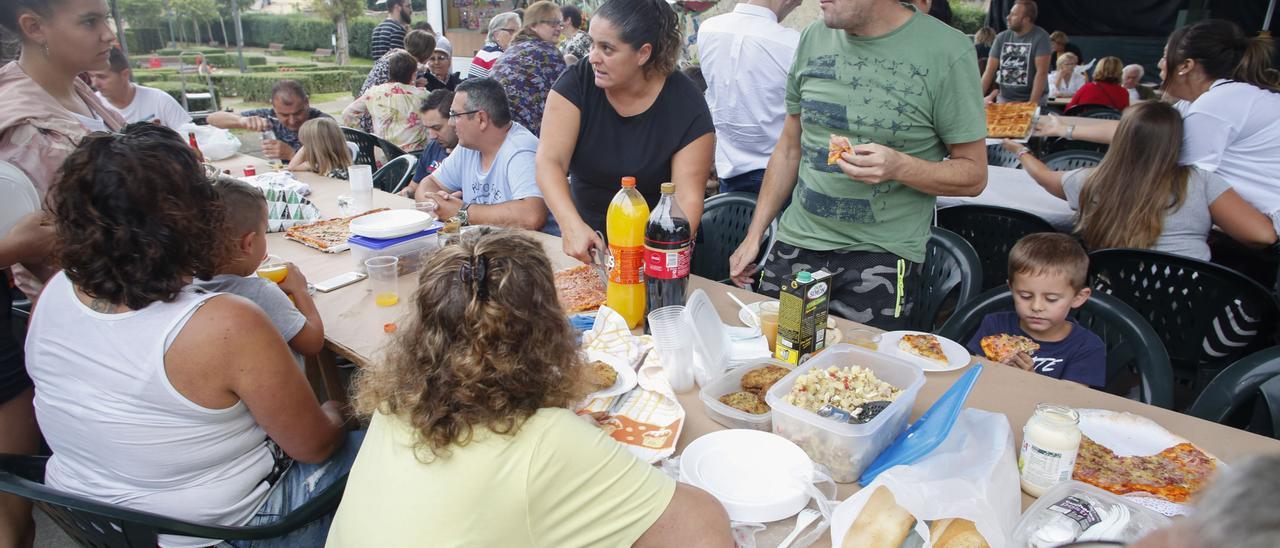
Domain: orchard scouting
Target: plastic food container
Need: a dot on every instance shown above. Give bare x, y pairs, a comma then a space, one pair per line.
732, 382
846, 449
409, 249
392, 223
1076, 511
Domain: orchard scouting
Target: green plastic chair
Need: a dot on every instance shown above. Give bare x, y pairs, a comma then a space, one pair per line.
1234, 395
1131, 343
992, 231
950, 278
99, 524
725, 218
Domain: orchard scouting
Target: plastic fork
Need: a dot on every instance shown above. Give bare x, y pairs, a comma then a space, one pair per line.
805, 518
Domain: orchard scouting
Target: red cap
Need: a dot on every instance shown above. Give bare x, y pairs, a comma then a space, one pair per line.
628, 182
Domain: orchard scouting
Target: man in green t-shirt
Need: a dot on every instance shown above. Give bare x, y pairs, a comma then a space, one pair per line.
902, 88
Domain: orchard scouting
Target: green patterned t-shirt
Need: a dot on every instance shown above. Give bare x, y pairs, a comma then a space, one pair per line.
916, 90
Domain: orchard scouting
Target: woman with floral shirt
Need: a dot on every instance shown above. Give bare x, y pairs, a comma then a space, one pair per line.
531, 65
578, 43
393, 106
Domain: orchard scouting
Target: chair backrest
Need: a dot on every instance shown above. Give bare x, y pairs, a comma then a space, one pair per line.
1207, 315
1100, 112
1232, 395
725, 219
365, 143
1130, 341
389, 150
950, 277
395, 174
1072, 159
992, 231
104, 525
998, 156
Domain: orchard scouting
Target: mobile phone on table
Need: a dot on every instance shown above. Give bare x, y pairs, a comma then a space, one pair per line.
339, 281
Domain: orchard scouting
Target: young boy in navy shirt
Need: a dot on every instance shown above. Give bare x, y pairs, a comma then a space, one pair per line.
1047, 274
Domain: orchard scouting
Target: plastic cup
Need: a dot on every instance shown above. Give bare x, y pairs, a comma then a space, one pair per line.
427, 206
865, 338
769, 326
384, 276
670, 328
273, 268
345, 205
361, 178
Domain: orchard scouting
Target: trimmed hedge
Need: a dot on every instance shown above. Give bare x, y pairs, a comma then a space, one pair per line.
968, 17
256, 87
178, 51
356, 81
174, 89
305, 33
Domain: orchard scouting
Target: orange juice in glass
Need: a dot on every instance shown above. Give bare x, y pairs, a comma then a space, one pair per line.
273, 268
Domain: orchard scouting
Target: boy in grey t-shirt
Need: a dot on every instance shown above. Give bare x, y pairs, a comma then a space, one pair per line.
1019, 62
287, 304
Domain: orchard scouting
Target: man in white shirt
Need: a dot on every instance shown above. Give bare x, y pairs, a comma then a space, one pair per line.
745, 56
493, 164
136, 103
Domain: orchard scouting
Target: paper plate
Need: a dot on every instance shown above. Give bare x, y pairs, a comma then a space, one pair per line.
957, 356
626, 375
758, 476
1126, 433
710, 340
20, 196
392, 223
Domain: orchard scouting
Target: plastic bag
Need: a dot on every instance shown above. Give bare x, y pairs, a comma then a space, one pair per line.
216, 144
973, 475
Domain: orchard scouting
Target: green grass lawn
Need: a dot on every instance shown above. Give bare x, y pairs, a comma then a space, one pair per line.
306, 56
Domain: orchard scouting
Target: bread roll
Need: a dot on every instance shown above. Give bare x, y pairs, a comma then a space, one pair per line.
956, 533
882, 523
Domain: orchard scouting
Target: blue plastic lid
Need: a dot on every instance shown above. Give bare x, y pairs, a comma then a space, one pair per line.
928, 432
375, 243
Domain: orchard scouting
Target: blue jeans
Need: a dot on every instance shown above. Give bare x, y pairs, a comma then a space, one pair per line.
744, 182
297, 486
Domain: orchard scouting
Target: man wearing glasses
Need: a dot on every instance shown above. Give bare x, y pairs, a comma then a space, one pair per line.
440, 73
493, 165
502, 28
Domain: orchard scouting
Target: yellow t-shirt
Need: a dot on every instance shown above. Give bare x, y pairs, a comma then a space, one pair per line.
558, 482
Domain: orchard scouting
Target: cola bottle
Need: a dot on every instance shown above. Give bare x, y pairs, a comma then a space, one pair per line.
668, 249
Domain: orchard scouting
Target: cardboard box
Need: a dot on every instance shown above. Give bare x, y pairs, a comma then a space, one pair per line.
802, 316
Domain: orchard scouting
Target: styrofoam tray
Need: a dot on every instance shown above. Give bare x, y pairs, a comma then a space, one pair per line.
392, 223
957, 355
758, 476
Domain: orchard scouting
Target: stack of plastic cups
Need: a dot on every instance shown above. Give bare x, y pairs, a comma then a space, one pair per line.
361, 178
671, 340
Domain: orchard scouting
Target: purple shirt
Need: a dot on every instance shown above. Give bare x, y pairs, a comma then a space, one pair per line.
1080, 357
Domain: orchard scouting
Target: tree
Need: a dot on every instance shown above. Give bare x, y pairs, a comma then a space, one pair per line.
196, 10
137, 14
339, 11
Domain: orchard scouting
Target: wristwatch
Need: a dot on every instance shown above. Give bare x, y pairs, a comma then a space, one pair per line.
462, 214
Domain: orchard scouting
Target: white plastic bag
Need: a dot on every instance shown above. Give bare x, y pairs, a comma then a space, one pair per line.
216, 144
973, 475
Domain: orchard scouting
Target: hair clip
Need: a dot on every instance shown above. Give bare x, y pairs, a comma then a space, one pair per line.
473, 275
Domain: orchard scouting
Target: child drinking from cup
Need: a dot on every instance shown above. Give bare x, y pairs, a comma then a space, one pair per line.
287, 303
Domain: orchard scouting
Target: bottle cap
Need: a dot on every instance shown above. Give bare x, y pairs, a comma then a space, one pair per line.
668, 188
628, 182
804, 277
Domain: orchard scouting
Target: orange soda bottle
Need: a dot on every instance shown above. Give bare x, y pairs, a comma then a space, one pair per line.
625, 222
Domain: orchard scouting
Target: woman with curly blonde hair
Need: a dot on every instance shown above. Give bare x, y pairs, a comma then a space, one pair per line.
471, 441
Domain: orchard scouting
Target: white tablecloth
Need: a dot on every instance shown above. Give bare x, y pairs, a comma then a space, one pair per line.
1014, 189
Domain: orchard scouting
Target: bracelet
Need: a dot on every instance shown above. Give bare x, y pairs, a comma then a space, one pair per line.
1071, 129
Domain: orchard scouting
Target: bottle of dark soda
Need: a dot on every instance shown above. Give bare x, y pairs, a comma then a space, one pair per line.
668, 249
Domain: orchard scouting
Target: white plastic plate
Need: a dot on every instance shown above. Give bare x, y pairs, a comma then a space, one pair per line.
626, 375
710, 340
957, 356
392, 223
758, 476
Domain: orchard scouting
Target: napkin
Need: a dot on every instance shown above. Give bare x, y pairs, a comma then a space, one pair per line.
287, 205
648, 419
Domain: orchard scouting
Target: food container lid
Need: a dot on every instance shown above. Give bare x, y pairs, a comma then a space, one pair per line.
710, 339
377, 243
392, 223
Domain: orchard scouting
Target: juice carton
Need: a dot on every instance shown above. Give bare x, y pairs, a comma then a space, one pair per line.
802, 316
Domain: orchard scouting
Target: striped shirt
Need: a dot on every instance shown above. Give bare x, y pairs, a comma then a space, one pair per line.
483, 62
388, 35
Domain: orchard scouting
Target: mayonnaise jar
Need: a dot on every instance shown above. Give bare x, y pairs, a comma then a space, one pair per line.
1050, 442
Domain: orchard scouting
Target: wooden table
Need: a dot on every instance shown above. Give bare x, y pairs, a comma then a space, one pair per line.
353, 328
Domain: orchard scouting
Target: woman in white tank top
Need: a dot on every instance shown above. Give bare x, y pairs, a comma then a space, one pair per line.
152, 394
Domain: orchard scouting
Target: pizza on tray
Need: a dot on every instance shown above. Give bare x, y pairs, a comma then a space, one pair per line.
1000, 347
839, 145
1010, 120
1174, 474
580, 288
327, 234
926, 346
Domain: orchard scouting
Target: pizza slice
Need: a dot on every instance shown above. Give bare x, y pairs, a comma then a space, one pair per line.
926, 346
1175, 474
839, 145
1000, 347
580, 289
